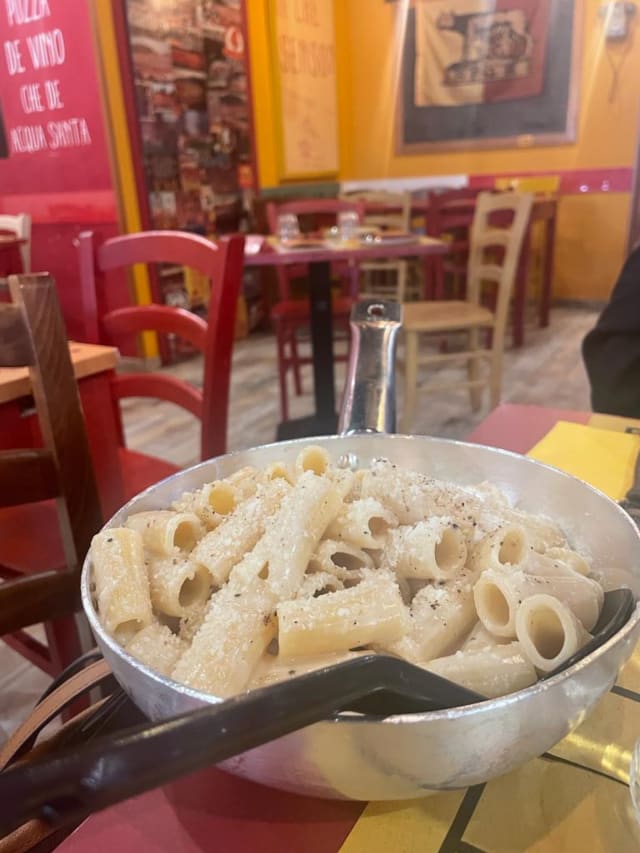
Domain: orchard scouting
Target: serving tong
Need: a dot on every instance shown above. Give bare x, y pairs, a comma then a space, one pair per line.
64, 788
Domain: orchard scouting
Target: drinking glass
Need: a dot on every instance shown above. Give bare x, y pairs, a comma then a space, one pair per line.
288, 228
348, 223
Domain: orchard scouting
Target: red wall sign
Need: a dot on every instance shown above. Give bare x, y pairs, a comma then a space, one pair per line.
54, 158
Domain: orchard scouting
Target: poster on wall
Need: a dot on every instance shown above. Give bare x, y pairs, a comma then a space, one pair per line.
303, 56
488, 73
52, 137
190, 75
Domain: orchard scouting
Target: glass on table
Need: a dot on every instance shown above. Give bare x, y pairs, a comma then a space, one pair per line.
348, 224
287, 228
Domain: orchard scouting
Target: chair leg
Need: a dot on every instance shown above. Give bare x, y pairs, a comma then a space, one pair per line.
410, 380
295, 362
283, 364
495, 379
473, 370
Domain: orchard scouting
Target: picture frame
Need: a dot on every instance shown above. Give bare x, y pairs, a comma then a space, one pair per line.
446, 101
303, 61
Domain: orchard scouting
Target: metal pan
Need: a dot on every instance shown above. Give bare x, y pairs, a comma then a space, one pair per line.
366, 758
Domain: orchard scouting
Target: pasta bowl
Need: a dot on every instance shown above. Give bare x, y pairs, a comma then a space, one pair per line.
362, 757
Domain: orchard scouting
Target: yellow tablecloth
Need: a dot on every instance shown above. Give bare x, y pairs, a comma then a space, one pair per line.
576, 800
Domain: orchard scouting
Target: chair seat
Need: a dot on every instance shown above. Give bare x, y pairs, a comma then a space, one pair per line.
440, 316
139, 471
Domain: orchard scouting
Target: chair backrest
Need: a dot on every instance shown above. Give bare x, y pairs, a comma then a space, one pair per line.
222, 263
384, 208
21, 227
32, 334
450, 210
500, 223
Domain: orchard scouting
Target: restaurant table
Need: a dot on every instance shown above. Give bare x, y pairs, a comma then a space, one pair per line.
93, 366
324, 420
544, 210
575, 798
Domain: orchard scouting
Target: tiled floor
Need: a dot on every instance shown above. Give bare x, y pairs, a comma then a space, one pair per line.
548, 371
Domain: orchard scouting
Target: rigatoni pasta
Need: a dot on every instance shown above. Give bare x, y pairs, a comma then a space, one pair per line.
265, 575
121, 582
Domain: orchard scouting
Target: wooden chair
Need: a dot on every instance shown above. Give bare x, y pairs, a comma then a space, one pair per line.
449, 215
20, 225
222, 263
49, 507
470, 316
387, 211
290, 317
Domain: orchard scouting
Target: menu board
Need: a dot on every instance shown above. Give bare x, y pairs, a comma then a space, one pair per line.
52, 135
190, 75
305, 64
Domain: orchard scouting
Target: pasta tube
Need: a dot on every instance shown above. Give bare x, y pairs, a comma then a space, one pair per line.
573, 559
480, 638
157, 647
371, 612
122, 586
504, 548
215, 501
166, 532
443, 615
220, 549
177, 584
236, 630
363, 523
282, 555
541, 532
341, 559
498, 594
312, 458
490, 672
315, 583
412, 496
434, 549
192, 620
548, 631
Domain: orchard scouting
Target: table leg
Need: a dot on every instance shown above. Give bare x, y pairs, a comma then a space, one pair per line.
322, 340
325, 420
547, 271
520, 297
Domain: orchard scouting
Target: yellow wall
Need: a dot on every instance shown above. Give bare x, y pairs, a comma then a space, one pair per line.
592, 230
263, 92
265, 111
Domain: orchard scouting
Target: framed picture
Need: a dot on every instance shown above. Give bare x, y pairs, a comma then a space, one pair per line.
488, 74
304, 65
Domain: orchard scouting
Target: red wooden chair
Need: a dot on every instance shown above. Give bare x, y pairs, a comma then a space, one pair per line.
222, 263
49, 506
450, 215
290, 317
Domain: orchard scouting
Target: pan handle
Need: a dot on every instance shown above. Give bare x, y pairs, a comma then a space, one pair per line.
369, 403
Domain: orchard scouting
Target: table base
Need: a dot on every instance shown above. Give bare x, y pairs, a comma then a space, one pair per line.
307, 427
